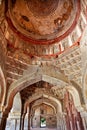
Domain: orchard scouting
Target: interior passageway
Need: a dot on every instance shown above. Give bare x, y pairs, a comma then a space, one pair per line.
43, 64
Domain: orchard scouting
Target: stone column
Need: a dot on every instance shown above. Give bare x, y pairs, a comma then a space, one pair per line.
29, 116
18, 124
15, 124
84, 124
22, 121
3, 121
84, 116
29, 121
57, 120
0, 116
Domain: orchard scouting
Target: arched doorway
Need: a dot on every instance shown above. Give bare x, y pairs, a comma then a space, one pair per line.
27, 87
43, 116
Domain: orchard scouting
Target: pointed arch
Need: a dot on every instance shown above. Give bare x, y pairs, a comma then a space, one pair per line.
75, 95
35, 105
48, 74
38, 96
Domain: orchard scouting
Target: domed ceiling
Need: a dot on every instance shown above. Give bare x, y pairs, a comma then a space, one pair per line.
44, 21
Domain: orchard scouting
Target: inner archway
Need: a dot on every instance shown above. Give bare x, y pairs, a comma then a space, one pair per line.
44, 117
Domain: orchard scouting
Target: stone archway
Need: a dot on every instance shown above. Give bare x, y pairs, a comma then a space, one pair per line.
53, 102
76, 96
48, 74
43, 111
2, 88
36, 97
36, 104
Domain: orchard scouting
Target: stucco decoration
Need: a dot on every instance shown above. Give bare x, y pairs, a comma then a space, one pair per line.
83, 46
42, 8
43, 20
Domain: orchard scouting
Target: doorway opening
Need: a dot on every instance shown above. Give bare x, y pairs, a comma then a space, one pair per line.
42, 122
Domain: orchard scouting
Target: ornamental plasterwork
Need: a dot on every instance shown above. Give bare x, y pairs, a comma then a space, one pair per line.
36, 22
49, 92
59, 92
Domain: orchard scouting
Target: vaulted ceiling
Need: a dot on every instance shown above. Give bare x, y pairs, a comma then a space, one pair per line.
43, 33
43, 20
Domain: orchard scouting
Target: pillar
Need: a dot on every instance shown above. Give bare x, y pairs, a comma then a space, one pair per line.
3, 121
0, 116
22, 121
29, 116
72, 114
84, 118
29, 121
16, 118
15, 124
18, 124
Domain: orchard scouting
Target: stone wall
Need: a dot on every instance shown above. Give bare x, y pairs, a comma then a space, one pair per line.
2, 51
2, 68
51, 121
13, 124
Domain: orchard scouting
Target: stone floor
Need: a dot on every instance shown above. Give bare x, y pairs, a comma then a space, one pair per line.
43, 129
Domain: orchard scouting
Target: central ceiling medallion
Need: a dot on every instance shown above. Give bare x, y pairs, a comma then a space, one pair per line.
43, 21
42, 7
